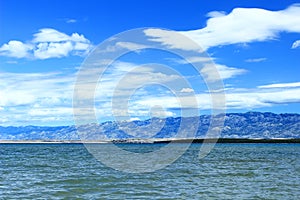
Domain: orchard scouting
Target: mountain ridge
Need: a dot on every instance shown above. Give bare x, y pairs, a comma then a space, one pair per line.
265, 125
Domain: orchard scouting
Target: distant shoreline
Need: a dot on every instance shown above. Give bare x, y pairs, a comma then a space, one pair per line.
155, 141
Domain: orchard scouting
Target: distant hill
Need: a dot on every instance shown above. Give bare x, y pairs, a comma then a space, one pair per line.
237, 125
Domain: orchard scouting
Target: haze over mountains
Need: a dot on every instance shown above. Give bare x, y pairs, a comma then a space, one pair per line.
237, 125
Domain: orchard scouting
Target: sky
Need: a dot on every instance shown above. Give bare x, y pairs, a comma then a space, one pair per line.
254, 45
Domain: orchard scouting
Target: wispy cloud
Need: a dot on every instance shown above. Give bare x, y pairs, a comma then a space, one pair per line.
242, 25
242, 98
188, 60
131, 46
31, 98
253, 98
224, 72
46, 98
210, 69
236, 98
69, 21
12, 62
172, 39
47, 43
255, 60
281, 85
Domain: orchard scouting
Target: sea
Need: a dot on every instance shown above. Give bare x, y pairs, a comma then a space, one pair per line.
229, 171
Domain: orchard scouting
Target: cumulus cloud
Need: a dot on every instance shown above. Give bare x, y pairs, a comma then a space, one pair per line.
16, 49
296, 44
241, 25
47, 43
52, 50
52, 35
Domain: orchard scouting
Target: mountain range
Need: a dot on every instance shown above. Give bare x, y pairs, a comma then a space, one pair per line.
236, 125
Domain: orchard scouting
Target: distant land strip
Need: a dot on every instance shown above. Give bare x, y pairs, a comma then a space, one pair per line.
236, 125
156, 141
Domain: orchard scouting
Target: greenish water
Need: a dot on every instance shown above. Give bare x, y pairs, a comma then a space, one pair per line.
230, 171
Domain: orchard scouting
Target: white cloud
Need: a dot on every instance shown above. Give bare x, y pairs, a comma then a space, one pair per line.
253, 60
34, 88
12, 62
57, 111
281, 85
172, 39
71, 21
224, 72
49, 35
186, 90
46, 98
15, 49
52, 50
48, 43
130, 75
195, 59
125, 82
131, 46
209, 70
52, 35
29, 98
34, 97
235, 99
216, 14
134, 119
161, 113
249, 99
242, 25
296, 44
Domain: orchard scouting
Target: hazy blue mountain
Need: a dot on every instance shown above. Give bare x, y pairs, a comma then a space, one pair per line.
237, 125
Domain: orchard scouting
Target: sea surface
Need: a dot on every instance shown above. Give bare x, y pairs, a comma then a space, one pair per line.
229, 171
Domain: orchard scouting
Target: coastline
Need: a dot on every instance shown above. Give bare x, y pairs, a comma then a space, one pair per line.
155, 141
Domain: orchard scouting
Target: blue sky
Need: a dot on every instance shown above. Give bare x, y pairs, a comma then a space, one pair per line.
255, 45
